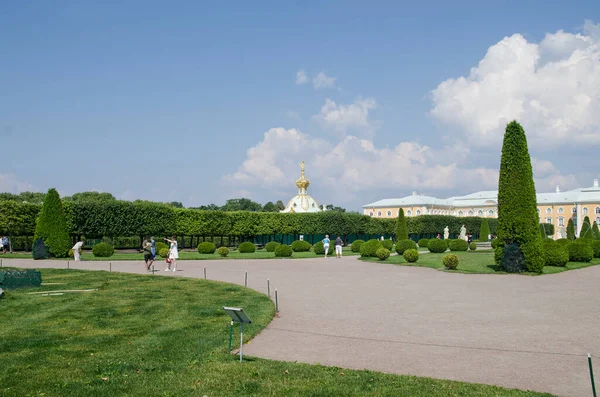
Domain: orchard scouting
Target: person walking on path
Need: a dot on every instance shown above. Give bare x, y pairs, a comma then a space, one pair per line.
77, 251
338, 246
148, 257
173, 254
153, 247
326, 244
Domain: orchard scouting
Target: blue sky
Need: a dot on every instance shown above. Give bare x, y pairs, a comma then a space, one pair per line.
180, 100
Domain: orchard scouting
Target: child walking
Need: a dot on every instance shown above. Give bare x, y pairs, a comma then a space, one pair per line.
173, 254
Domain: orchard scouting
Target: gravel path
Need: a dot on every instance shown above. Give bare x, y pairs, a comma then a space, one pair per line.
507, 330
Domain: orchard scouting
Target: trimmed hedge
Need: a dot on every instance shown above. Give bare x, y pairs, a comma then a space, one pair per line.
563, 242
580, 252
223, 251
437, 246
554, 254
382, 253
387, 244
283, 251
423, 242
270, 247
403, 245
411, 255
473, 246
369, 248
355, 247
484, 230
401, 227
450, 261
494, 243
458, 245
51, 226
300, 246
596, 248
246, 248
319, 248
206, 248
103, 250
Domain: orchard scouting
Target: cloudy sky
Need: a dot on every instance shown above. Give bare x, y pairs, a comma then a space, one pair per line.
196, 102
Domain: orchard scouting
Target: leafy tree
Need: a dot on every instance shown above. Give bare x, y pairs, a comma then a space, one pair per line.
242, 204
280, 206
586, 229
517, 207
91, 196
543, 232
401, 230
269, 207
570, 230
484, 230
32, 197
175, 204
210, 207
331, 207
51, 226
596, 230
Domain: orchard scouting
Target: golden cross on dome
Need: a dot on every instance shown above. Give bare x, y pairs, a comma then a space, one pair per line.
302, 167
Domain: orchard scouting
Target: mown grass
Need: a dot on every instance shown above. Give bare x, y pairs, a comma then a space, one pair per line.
150, 336
183, 255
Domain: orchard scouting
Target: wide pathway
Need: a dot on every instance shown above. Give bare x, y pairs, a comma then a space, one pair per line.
507, 330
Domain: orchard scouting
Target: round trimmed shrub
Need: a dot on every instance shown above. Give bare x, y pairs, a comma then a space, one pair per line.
458, 245
473, 246
554, 254
423, 242
355, 247
383, 253
411, 255
207, 248
163, 253
494, 243
103, 250
450, 261
223, 251
369, 248
437, 246
387, 244
160, 245
246, 248
301, 246
563, 243
583, 240
580, 252
595, 244
319, 249
283, 251
403, 245
270, 247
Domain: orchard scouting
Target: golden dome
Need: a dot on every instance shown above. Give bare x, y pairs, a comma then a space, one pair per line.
302, 182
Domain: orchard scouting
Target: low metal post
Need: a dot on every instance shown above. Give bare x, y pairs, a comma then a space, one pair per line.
230, 335
269, 288
67, 264
276, 302
246, 280
110, 266
205, 273
591, 374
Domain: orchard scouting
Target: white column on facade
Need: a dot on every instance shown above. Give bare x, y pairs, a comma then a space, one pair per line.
579, 220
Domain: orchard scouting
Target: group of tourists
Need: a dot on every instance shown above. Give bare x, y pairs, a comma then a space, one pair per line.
338, 245
149, 249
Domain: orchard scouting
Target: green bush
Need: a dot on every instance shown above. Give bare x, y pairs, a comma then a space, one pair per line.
564, 243
513, 259
270, 247
103, 250
71, 254
387, 244
401, 229
369, 248
473, 246
423, 242
458, 245
411, 255
580, 252
356, 245
494, 243
163, 253
403, 245
223, 251
207, 248
570, 230
583, 240
596, 248
246, 248
301, 246
484, 230
51, 226
160, 245
382, 253
450, 261
437, 246
319, 249
554, 253
40, 251
586, 230
283, 251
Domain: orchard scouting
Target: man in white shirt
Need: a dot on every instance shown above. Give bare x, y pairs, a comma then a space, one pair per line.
76, 250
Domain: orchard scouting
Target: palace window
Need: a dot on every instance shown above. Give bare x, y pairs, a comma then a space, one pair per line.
409, 212
598, 221
585, 211
378, 213
418, 212
561, 210
491, 212
371, 213
389, 213
597, 210
470, 213
561, 221
480, 213
574, 210
548, 220
548, 211
460, 213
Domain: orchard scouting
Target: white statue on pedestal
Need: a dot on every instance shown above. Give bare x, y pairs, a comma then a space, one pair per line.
463, 233
446, 233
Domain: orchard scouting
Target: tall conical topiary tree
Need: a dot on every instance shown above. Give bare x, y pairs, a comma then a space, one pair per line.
586, 229
401, 230
596, 231
484, 230
519, 243
570, 230
51, 226
543, 233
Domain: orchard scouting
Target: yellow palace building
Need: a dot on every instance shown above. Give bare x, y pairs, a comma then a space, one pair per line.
555, 208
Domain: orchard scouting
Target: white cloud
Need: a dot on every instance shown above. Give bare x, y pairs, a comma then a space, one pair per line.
321, 80
301, 77
343, 119
551, 88
547, 176
9, 183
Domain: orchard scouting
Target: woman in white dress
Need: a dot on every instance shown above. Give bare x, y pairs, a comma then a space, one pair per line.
173, 254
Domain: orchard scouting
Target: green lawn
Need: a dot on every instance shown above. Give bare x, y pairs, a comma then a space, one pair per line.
141, 335
474, 262
183, 255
